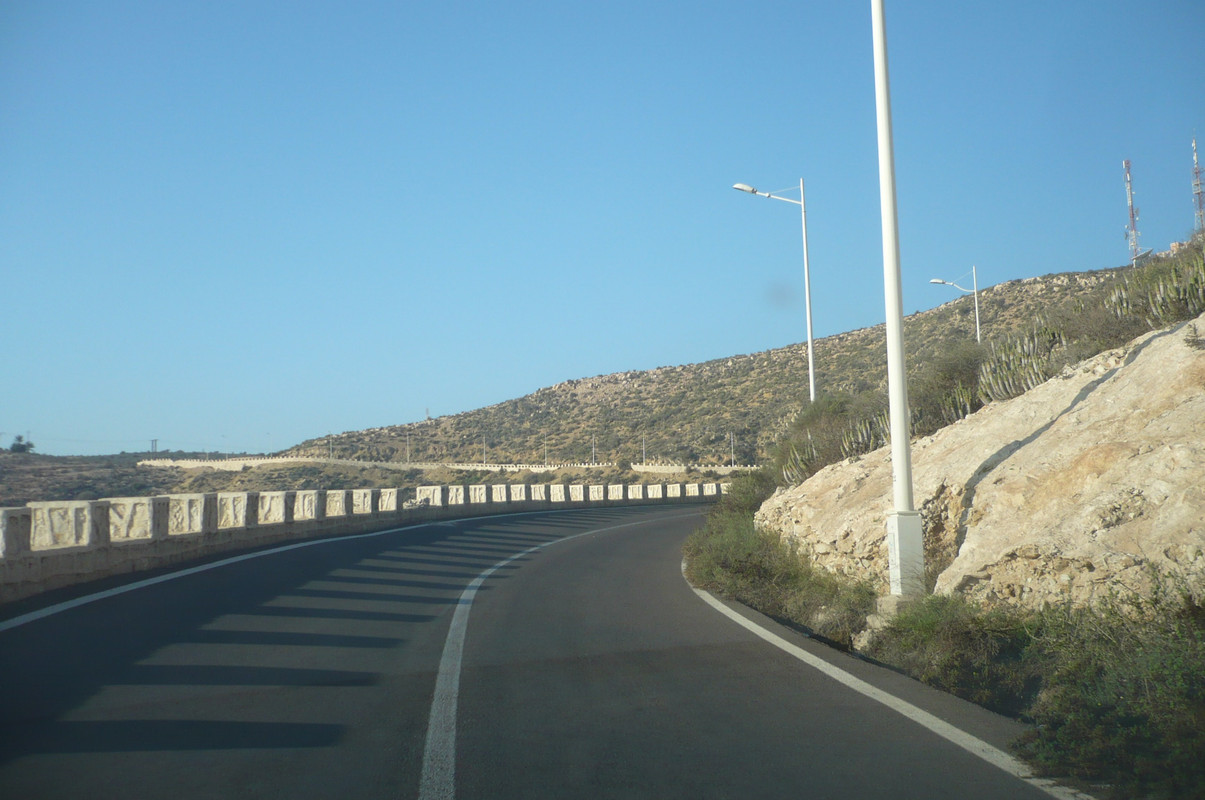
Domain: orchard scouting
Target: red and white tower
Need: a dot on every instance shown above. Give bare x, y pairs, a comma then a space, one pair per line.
1198, 196
1132, 227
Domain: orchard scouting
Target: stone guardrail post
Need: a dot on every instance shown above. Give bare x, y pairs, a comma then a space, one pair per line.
15, 527
387, 501
338, 503
309, 505
432, 495
238, 510
70, 523
364, 501
134, 519
191, 514
276, 508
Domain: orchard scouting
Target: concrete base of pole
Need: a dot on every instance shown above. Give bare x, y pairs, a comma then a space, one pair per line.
891, 605
906, 553
886, 609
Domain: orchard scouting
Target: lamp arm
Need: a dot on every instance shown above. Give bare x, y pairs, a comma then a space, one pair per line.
776, 197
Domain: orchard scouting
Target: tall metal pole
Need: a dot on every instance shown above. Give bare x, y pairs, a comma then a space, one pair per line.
807, 281
807, 292
906, 557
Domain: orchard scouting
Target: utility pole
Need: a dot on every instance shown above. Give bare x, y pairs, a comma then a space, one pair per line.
905, 551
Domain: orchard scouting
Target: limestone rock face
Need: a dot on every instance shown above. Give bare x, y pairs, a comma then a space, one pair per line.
1084, 485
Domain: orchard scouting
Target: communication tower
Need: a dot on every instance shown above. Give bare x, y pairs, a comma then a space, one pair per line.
1198, 196
1132, 228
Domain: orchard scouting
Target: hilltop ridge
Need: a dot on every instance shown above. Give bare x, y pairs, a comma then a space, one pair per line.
700, 413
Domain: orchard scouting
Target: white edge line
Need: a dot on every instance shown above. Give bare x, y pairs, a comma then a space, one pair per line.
438, 778
973, 745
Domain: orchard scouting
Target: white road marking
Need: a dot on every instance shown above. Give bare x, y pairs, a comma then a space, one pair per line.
973, 745
438, 779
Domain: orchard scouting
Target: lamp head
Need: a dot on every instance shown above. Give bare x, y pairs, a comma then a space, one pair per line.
744, 187
936, 280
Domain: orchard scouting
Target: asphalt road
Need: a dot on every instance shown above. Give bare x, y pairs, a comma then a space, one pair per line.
547, 655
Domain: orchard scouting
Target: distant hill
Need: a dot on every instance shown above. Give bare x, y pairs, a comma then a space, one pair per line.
680, 414
686, 414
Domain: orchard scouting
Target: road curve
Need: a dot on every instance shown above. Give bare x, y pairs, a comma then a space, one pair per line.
540, 655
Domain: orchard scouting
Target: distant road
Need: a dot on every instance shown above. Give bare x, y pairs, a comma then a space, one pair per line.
545, 655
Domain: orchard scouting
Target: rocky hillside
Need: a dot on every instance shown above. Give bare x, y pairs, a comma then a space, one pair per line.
1089, 483
685, 414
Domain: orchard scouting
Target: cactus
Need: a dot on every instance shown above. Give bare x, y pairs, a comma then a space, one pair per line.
1020, 364
959, 404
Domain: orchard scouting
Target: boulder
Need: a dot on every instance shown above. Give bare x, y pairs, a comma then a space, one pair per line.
1088, 484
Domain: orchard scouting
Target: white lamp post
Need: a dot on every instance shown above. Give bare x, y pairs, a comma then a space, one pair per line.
905, 541
973, 291
807, 282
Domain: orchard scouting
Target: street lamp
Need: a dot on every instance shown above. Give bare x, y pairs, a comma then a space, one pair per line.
905, 541
807, 282
973, 291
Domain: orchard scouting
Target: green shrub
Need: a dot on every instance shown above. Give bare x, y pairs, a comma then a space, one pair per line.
944, 391
1123, 695
952, 644
748, 490
731, 556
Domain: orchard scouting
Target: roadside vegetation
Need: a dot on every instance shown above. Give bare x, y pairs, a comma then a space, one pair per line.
1115, 693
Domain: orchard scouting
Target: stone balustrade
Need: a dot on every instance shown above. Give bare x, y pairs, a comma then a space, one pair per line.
51, 544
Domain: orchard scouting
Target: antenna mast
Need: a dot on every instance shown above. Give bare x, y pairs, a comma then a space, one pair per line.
1198, 195
1132, 228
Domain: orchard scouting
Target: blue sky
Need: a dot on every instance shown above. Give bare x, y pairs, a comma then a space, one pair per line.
237, 225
